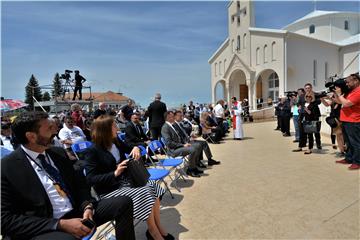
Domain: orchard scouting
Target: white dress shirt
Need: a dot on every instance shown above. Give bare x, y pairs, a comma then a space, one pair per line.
61, 205
218, 111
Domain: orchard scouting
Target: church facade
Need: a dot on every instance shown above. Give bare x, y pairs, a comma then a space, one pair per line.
260, 63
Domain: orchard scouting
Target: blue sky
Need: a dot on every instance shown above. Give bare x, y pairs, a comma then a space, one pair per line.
138, 48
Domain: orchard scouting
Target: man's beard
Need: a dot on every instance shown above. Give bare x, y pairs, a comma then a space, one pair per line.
45, 142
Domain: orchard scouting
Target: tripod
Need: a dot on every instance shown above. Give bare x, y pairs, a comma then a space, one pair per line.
67, 87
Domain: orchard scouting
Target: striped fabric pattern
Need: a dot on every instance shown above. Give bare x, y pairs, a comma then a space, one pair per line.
143, 197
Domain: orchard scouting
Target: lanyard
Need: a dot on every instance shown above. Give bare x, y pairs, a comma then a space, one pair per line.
37, 164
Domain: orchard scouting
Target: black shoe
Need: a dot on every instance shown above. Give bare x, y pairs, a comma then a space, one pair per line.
168, 237
148, 235
201, 165
295, 141
319, 147
277, 129
192, 173
198, 171
213, 162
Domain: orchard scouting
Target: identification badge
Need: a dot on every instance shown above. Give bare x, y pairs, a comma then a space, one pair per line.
61, 192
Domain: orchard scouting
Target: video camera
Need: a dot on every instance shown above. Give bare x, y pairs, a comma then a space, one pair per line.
290, 94
66, 75
339, 82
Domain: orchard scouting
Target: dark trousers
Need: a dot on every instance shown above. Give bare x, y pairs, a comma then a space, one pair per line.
77, 88
221, 126
352, 140
318, 139
278, 122
204, 146
285, 124
302, 136
155, 133
118, 208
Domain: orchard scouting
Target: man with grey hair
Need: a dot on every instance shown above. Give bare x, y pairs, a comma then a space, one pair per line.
156, 112
101, 110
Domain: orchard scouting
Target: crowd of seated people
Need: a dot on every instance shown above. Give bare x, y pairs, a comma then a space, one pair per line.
63, 201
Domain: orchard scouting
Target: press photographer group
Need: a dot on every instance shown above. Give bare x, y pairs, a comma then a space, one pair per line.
343, 97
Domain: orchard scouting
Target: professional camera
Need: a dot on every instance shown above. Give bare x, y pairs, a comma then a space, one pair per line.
66, 75
290, 94
339, 82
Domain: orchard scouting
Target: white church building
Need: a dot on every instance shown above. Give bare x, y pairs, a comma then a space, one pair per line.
256, 63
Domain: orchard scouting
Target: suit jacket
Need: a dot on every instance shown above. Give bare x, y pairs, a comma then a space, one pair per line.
156, 112
100, 166
26, 210
172, 139
133, 137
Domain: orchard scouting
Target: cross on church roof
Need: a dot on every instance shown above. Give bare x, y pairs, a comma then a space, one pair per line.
239, 12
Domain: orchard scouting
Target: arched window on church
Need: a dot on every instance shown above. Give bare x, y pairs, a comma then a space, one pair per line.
273, 86
224, 66
273, 58
265, 54
244, 41
220, 68
257, 56
238, 43
312, 29
346, 25
232, 46
215, 69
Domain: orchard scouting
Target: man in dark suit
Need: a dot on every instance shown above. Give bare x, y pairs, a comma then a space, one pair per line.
191, 139
156, 111
134, 134
178, 147
42, 197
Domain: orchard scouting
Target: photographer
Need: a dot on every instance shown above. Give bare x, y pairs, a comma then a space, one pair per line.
334, 121
350, 117
285, 115
277, 114
79, 80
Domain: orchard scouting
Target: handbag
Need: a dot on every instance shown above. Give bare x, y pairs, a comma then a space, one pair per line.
311, 126
137, 173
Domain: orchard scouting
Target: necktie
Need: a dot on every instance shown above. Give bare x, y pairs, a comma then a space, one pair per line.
138, 130
180, 132
54, 174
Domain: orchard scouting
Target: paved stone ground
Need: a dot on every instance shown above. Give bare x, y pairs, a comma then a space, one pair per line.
262, 190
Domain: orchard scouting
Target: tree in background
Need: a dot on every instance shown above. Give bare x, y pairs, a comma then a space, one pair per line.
57, 86
46, 96
32, 89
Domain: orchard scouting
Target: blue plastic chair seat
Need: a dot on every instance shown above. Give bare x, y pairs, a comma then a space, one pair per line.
171, 162
5, 151
156, 174
81, 146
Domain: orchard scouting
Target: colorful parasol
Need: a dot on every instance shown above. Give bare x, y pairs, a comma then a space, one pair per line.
10, 104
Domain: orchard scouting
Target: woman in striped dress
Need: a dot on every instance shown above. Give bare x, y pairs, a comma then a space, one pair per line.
106, 172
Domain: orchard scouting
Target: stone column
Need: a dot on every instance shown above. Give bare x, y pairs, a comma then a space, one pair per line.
227, 91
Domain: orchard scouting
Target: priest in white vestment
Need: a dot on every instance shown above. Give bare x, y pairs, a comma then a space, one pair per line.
236, 111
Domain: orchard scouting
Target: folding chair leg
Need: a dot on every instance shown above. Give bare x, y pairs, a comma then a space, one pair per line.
168, 189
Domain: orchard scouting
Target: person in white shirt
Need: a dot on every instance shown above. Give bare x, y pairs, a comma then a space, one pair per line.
219, 113
70, 134
5, 137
